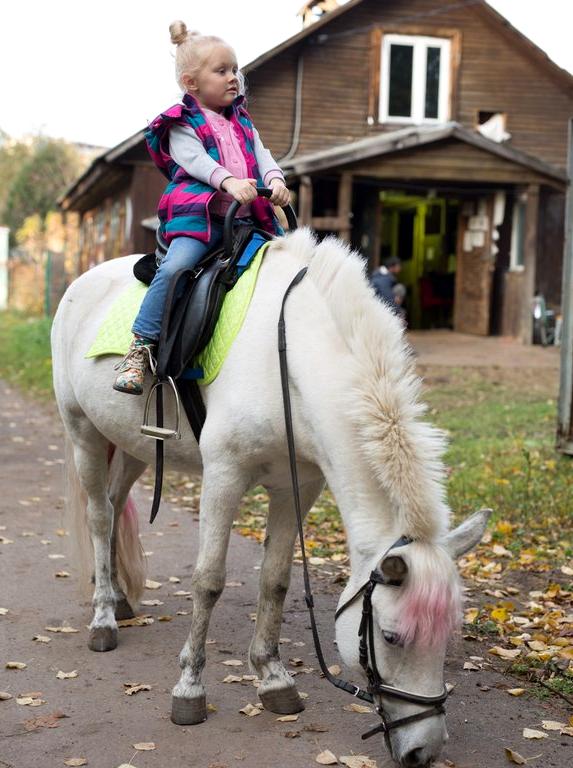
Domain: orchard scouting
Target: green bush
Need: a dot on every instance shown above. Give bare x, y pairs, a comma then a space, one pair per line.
25, 354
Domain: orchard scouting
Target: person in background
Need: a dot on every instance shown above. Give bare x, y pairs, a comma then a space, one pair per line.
384, 280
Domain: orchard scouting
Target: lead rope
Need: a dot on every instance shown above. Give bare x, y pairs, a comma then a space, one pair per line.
359, 693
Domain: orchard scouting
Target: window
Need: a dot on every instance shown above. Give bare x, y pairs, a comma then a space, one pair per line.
516, 254
415, 79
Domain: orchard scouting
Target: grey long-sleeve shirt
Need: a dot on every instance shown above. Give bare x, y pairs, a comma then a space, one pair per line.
187, 149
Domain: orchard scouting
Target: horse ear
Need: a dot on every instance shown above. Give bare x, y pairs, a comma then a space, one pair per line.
469, 533
394, 569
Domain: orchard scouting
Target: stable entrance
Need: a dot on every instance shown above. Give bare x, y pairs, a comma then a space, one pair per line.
422, 232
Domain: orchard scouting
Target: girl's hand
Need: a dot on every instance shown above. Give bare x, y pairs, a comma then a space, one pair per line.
281, 195
243, 190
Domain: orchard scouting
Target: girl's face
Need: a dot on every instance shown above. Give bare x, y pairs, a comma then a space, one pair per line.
216, 84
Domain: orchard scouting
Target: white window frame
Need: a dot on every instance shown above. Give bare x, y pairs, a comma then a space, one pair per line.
420, 45
517, 248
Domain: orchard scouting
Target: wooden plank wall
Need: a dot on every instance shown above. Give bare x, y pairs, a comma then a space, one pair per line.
494, 74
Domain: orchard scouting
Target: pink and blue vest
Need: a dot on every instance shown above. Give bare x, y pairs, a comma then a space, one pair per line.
183, 207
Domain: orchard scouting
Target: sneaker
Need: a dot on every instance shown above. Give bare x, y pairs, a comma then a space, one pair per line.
132, 369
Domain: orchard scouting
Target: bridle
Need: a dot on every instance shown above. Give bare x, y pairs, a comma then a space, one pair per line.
367, 656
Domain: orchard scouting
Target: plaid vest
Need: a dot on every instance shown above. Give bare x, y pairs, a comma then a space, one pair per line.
183, 207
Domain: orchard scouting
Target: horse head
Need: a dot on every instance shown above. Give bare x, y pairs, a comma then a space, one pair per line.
394, 620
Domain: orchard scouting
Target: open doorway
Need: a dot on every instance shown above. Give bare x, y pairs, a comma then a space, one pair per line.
422, 232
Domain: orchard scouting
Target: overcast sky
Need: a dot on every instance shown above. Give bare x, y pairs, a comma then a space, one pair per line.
97, 72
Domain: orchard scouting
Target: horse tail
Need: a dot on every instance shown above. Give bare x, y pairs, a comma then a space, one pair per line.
129, 554
130, 558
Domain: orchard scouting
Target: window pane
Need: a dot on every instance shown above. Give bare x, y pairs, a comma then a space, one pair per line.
432, 81
400, 96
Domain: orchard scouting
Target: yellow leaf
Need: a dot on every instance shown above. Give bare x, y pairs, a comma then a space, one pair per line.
75, 762
5, 696
358, 761
360, 708
512, 756
552, 725
15, 665
144, 746
66, 675
505, 653
516, 691
149, 584
499, 614
326, 758
250, 711
471, 615
531, 733
232, 663
130, 690
287, 719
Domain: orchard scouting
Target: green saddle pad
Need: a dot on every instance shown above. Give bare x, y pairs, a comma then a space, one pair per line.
114, 334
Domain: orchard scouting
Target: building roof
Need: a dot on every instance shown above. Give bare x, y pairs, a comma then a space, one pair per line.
481, 6
410, 138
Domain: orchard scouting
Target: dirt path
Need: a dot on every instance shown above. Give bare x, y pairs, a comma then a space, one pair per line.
101, 723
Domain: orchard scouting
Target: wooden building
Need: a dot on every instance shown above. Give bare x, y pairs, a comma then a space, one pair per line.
427, 129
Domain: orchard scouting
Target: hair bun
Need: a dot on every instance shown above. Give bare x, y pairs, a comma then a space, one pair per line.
178, 32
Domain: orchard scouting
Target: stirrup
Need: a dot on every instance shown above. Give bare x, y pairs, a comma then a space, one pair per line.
160, 432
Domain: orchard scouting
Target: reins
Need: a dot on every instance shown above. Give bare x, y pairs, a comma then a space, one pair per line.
366, 650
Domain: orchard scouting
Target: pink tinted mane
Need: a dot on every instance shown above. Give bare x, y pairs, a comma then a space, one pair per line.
431, 603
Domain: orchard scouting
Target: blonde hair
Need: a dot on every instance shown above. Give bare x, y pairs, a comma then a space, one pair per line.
192, 52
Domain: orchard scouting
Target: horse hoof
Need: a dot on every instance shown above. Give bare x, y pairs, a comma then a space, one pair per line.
188, 711
282, 701
123, 610
102, 639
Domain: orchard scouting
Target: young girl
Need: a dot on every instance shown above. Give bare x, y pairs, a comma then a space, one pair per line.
209, 149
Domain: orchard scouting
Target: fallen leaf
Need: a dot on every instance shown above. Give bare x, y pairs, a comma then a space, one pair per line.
326, 758
5, 696
29, 701
66, 675
357, 761
175, 580
62, 575
567, 570
471, 665
552, 725
567, 731
292, 734
151, 602
137, 621
45, 721
232, 663
334, 670
165, 618
315, 728
530, 733
516, 691
131, 689
54, 556
75, 762
514, 757
3, 611
144, 746
296, 662
287, 719
181, 593
232, 679
41, 639
250, 711
15, 665
505, 653
360, 708
149, 584
65, 630
211, 707
234, 584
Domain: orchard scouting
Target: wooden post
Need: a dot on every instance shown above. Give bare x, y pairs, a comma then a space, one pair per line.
565, 406
305, 201
345, 205
530, 259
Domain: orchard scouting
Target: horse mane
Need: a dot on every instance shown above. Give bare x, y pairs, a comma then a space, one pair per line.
403, 451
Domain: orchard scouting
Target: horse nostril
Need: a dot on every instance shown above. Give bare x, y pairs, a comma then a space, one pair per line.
414, 759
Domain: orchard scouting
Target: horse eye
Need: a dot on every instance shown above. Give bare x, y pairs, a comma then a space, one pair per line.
390, 637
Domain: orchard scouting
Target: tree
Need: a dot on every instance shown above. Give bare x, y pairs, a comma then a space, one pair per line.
51, 167
13, 155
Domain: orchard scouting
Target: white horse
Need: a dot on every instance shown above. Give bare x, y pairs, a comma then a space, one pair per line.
358, 425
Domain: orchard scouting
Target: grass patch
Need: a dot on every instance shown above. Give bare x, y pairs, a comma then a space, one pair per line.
25, 354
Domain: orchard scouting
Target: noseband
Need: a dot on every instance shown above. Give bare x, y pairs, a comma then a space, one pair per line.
367, 656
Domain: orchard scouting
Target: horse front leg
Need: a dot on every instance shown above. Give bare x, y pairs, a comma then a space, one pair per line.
221, 493
277, 690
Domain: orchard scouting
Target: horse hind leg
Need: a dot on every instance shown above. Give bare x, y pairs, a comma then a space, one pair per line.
277, 690
222, 489
127, 558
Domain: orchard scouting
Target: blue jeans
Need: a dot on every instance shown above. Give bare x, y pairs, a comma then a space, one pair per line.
184, 252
